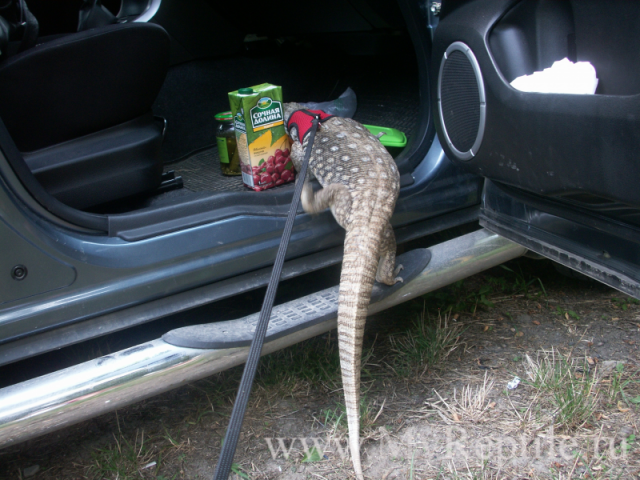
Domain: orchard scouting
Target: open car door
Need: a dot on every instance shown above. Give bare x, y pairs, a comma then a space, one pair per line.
561, 170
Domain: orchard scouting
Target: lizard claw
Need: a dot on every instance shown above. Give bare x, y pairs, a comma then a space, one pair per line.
398, 269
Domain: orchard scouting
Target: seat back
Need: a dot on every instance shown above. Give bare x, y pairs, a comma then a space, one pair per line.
82, 83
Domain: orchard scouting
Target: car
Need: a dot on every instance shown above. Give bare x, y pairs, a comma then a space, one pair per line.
115, 217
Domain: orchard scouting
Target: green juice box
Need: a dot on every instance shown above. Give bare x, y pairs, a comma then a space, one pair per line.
263, 143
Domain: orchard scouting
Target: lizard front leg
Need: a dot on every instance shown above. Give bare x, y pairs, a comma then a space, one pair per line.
335, 196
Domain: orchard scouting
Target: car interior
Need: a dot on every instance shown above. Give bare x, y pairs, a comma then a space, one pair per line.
114, 117
109, 106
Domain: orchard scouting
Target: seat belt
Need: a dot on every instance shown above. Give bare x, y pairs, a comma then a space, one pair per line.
239, 407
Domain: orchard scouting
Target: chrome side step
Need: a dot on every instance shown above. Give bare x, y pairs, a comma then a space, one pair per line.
292, 316
48, 403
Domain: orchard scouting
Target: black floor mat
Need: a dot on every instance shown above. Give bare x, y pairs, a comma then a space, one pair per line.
385, 98
194, 92
201, 172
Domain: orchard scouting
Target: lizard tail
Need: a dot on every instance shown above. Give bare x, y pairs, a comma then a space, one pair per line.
356, 281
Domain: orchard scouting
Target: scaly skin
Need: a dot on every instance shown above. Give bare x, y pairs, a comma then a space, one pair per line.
360, 183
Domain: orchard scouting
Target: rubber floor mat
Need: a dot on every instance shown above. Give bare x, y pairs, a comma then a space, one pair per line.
384, 97
201, 173
194, 92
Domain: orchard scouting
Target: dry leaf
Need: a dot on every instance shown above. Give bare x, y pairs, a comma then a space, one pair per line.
486, 327
622, 408
566, 315
631, 342
578, 375
519, 334
598, 415
590, 360
615, 319
456, 316
492, 404
539, 307
536, 322
456, 418
557, 465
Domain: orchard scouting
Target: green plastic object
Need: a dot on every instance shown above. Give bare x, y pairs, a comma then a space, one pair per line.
392, 137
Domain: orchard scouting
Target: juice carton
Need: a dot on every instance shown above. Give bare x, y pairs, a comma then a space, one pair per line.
262, 141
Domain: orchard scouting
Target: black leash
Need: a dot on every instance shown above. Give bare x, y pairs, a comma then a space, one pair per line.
240, 405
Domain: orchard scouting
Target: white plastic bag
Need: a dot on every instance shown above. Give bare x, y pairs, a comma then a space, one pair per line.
563, 76
343, 106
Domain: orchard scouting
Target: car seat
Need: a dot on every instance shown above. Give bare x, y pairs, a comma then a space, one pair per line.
78, 108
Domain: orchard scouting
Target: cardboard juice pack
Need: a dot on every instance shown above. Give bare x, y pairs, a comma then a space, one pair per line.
263, 144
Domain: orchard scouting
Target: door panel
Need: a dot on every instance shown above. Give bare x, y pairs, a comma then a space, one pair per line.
579, 149
562, 170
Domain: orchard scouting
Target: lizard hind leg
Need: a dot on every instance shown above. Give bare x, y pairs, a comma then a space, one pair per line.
387, 269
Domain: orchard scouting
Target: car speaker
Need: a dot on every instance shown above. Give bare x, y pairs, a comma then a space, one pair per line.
461, 101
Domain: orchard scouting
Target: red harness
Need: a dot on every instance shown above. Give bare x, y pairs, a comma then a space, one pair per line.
301, 119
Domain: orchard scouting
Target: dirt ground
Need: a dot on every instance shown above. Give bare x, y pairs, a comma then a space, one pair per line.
436, 402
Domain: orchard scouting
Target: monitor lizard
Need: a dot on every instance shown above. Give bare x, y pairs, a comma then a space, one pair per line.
360, 183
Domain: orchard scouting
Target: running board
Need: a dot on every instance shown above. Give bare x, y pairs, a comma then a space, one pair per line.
292, 316
57, 400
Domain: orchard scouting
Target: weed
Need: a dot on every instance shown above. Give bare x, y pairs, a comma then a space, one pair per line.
567, 313
237, 469
427, 343
312, 455
413, 456
624, 303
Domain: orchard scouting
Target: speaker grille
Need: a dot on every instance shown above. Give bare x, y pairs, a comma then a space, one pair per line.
461, 101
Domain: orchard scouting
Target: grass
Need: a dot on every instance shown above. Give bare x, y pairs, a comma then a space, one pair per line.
461, 297
312, 362
124, 459
335, 419
470, 405
429, 341
624, 303
567, 313
522, 283
617, 385
569, 388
